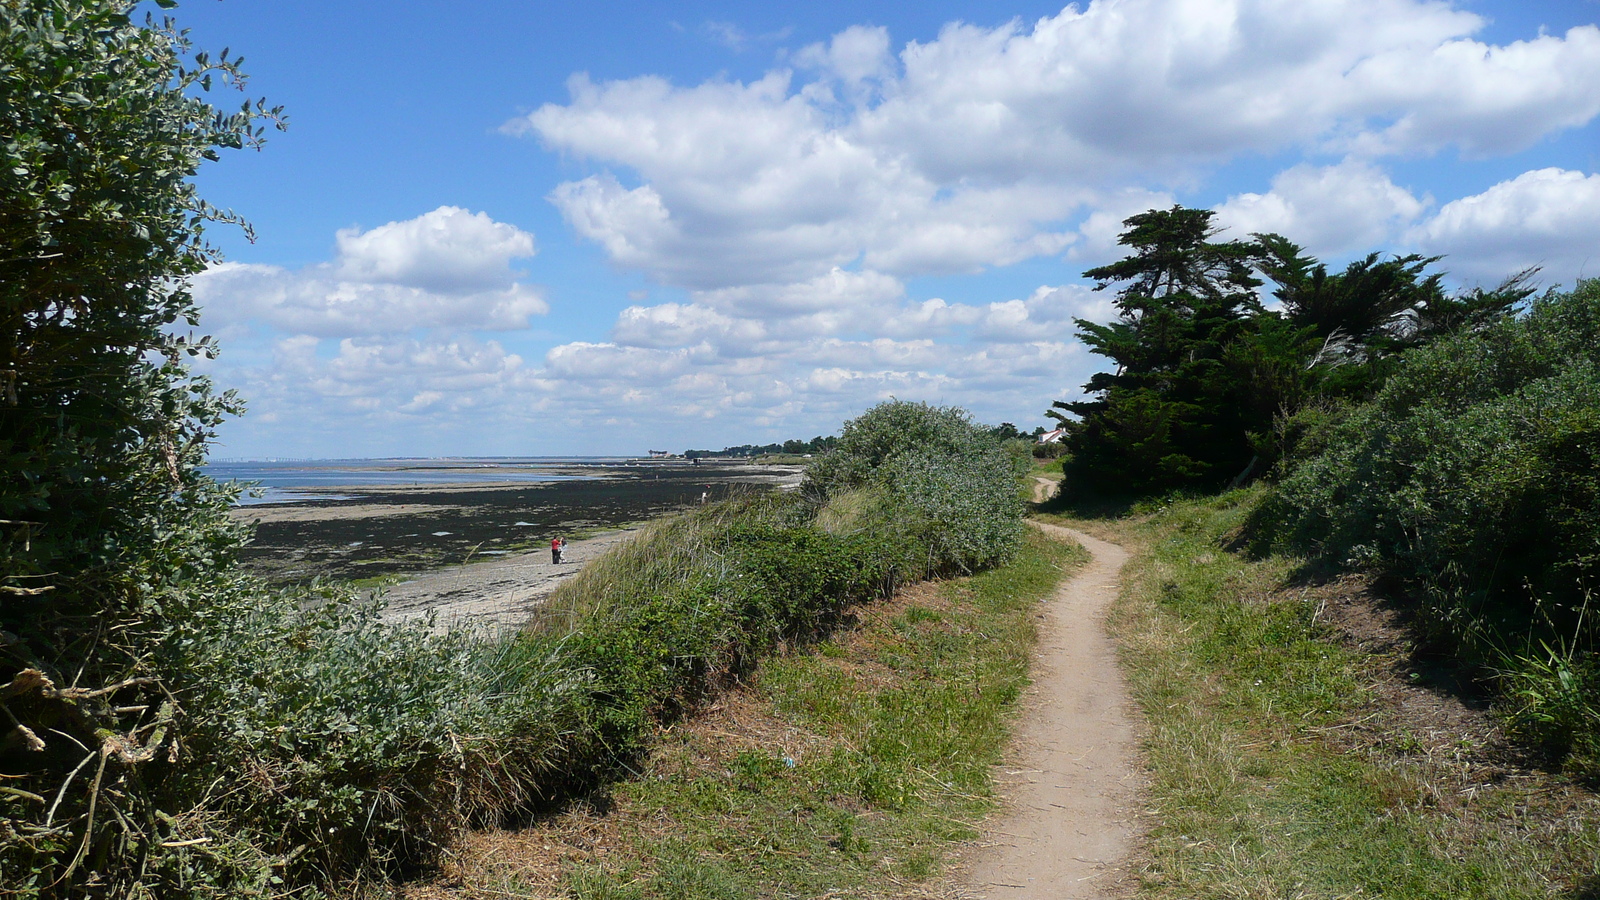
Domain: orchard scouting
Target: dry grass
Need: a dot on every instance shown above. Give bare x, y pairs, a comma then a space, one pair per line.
663, 554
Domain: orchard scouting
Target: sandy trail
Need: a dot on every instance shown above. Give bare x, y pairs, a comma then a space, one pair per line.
1068, 823
495, 593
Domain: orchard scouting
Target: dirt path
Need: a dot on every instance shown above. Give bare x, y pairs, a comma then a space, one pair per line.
1071, 787
496, 593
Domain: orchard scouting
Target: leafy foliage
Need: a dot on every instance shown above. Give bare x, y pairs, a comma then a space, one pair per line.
909, 491
1209, 383
1169, 414
952, 483
346, 742
1475, 475
1437, 438
108, 533
320, 742
325, 742
740, 585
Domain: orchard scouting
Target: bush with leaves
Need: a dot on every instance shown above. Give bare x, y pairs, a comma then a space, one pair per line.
108, 532
1475, 476
341, 742
660, 622
324, 742
1208, 382
670, 616
951, 483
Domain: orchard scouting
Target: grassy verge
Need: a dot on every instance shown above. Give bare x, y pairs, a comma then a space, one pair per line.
844, 769
1281, 757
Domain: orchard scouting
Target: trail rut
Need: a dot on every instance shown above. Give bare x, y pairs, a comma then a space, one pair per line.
1071, 788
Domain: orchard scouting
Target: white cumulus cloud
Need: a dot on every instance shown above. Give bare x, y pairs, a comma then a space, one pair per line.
378, 393
1004, 359
1547, 217
1331, 210
791, 216
983, 146
855, 57
445, 269
836, 290
449, 249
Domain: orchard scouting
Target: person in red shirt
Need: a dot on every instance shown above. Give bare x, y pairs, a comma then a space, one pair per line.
556, 546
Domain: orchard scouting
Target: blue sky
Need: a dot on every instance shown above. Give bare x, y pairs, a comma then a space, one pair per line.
529, 228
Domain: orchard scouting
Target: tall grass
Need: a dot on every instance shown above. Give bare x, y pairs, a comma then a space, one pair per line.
691, 603
660, 557
853, 765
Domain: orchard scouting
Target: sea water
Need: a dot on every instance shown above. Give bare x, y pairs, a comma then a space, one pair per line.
292, 481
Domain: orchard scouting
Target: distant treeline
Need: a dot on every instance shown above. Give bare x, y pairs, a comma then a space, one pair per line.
818, 444
1006, 431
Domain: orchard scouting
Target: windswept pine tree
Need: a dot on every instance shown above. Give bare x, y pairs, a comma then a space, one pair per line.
1170, 413
1209, 383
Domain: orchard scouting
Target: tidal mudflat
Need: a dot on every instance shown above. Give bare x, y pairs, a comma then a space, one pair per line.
400, 530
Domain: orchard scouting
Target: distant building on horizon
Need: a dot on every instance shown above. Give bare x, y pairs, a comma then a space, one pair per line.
660, 454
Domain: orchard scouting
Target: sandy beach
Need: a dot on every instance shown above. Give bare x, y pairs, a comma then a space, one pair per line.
496, 593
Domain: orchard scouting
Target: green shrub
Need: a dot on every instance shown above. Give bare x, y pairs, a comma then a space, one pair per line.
951, 483
107, 528
315, 742
362, 742
665, 619
1474, 476
662, 556
697, 599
